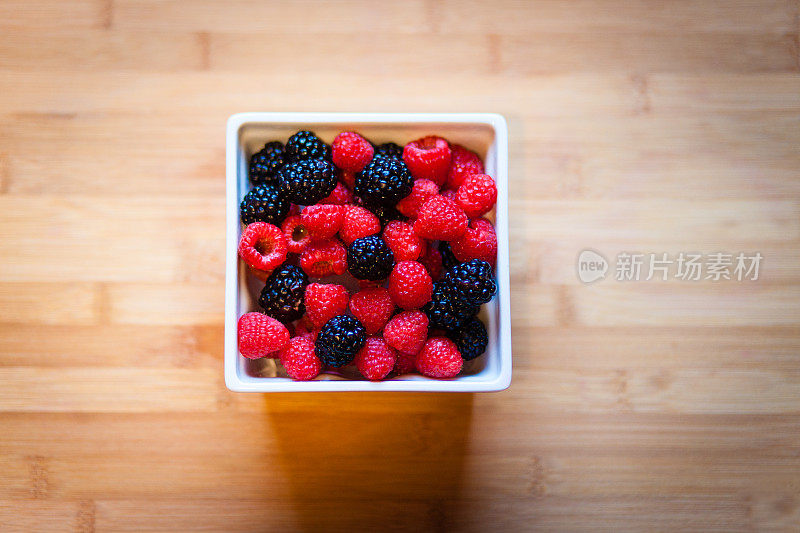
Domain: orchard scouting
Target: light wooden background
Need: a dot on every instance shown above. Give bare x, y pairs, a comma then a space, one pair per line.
645, 126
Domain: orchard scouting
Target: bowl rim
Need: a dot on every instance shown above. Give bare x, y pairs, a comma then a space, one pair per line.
464, 384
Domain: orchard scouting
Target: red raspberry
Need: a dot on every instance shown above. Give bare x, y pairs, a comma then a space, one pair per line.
405, 364
428, 158
441, 219
324, 258
439, 358
348, 178
357, 223
420, 192
450, 194
304, 328
432, 261
261, 335
376, 359
401, 239
477, 195
373, 307
263, 246
351, 151
299, 359
296, 235
325, 301
341, 195
369, 284
479, 242
322, 221
407, 332
410, 285
462, 163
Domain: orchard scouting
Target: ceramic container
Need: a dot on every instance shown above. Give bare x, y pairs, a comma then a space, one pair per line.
484, 133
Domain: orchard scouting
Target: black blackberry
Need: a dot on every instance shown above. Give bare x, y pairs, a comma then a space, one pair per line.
307, 182
339, 340
474, 280
264, 203
385, 213
447, 309
370, 258
282, 297
306, 145
389, 150
384, 181
448, 257
471, 339
266, 163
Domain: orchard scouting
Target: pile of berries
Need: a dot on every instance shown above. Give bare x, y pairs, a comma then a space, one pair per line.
402, 226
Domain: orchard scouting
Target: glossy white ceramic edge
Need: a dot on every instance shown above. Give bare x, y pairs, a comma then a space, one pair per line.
235, 381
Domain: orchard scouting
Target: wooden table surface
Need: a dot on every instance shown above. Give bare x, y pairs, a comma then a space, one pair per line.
634, 126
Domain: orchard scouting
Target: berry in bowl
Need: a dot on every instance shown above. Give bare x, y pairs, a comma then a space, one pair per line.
367, 252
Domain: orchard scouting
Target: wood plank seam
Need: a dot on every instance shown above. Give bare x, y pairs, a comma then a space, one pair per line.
106, 14
537, 485
495, 55
204, 42
102, 304
5, 172
42, 116
566, 306
621, 382
87, 512
433, 15
796, 48
37, 468
641, 86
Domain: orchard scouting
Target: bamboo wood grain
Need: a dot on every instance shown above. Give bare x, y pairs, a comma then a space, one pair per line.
634, 126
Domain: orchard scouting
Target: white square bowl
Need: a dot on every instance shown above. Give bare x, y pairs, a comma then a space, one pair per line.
484, 133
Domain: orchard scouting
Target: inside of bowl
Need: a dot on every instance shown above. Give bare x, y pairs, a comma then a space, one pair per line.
477, 137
